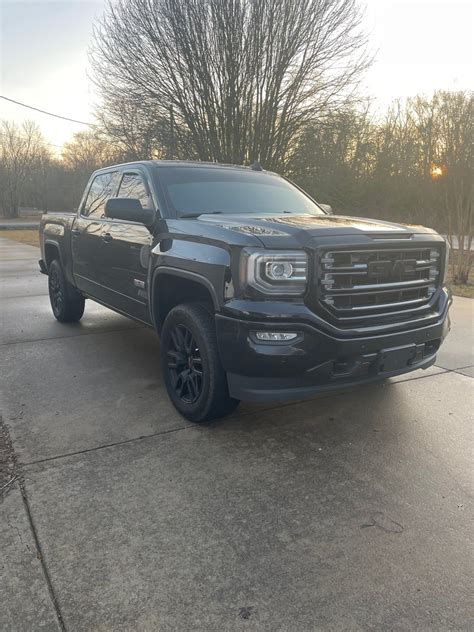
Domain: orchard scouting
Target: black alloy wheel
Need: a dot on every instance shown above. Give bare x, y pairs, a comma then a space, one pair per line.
66, 302
55, 292
193, 373
185, 364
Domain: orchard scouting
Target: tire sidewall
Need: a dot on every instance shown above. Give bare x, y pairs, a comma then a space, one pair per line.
55, 269
72, 303
196, 409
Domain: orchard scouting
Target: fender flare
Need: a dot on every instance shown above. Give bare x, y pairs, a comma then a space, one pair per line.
55, 244
183, 274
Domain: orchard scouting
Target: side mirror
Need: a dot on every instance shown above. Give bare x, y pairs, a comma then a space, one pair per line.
130, 210
327, 208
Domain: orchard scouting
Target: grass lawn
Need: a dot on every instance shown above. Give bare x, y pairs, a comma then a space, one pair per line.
31, 237
463, 290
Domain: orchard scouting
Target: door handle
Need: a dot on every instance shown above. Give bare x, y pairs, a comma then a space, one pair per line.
76, 232
107, 237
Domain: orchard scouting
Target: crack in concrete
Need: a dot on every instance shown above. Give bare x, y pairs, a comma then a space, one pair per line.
24, 296
463, 368
458, 368
92, 333
40, 556
107, 445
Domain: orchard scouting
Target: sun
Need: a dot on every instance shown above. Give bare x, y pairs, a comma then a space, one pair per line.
436, 171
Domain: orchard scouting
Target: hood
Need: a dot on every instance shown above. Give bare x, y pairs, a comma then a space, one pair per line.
306, 227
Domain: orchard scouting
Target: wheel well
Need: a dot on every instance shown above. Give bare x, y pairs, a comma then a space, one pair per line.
51, 252
170, 290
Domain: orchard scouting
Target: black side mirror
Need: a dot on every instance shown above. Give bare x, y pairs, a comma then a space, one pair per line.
327, 208
130, 210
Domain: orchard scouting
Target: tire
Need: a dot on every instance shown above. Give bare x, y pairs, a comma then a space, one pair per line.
66, 302
195, 379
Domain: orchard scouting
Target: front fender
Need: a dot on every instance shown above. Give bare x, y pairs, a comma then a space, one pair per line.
206, 264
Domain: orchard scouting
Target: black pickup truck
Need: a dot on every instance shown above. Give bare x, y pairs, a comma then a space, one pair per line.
256, 291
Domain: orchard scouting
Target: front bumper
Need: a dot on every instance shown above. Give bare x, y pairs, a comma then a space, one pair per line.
318, 360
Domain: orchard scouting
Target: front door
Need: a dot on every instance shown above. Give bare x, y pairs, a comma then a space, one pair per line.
124, 253
86, 235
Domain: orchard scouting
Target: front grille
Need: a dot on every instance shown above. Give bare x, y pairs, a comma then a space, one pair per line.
389, 284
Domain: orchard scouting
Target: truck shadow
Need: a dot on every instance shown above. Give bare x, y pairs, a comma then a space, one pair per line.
363, 409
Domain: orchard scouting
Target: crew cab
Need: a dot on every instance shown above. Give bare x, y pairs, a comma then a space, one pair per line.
256, 291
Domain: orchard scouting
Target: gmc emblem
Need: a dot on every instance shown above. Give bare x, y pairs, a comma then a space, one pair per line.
391, 269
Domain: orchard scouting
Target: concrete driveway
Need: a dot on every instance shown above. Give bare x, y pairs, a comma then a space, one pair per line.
351, 511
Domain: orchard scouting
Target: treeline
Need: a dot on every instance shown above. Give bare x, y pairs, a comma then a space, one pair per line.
415, 165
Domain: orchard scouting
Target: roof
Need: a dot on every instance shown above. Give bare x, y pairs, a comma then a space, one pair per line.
182, 163
195, 163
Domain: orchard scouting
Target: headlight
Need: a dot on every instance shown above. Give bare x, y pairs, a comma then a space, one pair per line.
275, 271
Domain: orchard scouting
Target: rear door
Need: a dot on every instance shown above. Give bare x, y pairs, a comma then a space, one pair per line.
87, 233
125, 251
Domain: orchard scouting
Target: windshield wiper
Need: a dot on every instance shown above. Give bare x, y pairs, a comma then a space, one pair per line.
187, 215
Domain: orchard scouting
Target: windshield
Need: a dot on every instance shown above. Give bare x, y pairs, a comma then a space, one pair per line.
195, 190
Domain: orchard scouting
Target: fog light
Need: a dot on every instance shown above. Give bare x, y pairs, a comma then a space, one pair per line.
275, 336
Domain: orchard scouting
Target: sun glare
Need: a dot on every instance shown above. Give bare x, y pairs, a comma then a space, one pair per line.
436, 171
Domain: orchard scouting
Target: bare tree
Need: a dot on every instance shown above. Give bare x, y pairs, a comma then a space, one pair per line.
455, 160
136, 132
22, 149
236, 79
335, 157
84, 153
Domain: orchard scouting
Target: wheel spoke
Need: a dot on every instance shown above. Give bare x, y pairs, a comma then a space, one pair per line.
189, 342
184, 364
180, 384
175, 359
191, 387
55, 292
197, 379
176, 339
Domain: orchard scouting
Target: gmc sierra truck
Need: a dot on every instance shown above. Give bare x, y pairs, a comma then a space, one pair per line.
256, 291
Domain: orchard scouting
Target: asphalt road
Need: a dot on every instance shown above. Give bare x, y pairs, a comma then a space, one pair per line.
351, 511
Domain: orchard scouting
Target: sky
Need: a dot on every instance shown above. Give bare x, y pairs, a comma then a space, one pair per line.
419, 46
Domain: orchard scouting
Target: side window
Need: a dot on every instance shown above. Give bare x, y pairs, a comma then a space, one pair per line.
102, 188
133, 186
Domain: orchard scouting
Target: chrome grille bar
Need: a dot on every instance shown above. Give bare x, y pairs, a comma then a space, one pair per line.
416, 301
356, 289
